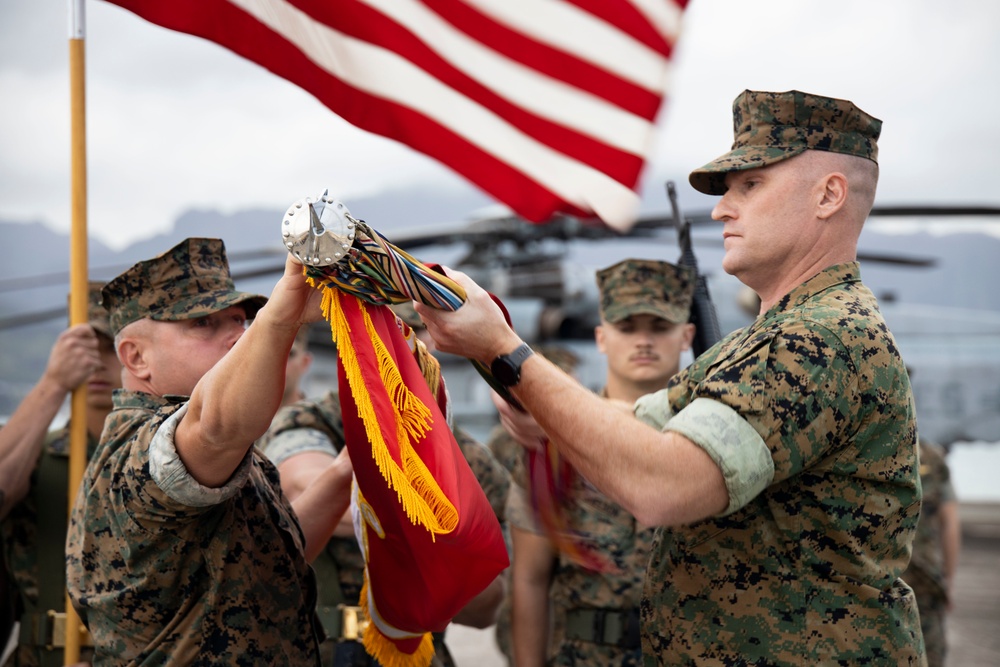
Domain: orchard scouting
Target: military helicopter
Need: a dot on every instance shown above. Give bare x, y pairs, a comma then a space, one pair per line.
545, 276
931, 295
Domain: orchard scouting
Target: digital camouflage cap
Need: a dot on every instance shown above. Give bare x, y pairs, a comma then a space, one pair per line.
645, 287
770, 127
188, 281
97, 315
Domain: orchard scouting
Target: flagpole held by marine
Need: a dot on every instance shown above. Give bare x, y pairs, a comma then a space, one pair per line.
78, 278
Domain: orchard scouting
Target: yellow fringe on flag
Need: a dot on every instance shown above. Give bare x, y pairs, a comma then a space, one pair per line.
385, 651
422, 499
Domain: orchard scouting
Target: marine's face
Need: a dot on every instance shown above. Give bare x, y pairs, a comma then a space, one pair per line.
183, 351
108, 376
765, 212
642, 349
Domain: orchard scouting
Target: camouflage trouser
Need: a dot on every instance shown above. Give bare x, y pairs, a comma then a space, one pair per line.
346, 654
933, 610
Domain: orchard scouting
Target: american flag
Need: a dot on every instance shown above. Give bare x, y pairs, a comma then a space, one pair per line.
547, 105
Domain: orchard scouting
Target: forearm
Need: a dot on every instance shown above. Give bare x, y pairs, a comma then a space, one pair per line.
345, 526
530, 579
481, 611
300, 470
661, 478
951, 538
322, 505
234, 402
21, 440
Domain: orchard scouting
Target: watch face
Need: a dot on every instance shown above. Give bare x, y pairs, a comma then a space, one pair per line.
504, 371
507, 367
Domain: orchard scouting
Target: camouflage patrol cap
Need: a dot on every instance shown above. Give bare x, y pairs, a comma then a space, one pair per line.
645, 286
770, 127
188, 281
97, 316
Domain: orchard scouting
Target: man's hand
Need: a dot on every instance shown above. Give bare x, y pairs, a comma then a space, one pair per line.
74, 357
293, 301
477, 330
519, 424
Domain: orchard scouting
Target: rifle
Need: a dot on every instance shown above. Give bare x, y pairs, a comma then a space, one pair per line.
703, 315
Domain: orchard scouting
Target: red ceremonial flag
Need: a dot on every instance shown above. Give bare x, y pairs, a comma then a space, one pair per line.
431, 541
549, 106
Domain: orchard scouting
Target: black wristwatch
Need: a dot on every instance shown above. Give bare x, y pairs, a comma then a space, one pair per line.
507, 367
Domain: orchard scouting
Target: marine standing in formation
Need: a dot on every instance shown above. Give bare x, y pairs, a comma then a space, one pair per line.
182, 548
34, 476
645, 306
782, 464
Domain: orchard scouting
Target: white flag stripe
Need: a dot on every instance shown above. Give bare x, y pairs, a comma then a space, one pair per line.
664, 15
582, 35
384, 74
523, 86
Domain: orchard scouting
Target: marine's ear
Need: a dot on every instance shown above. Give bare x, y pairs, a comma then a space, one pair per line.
833, 195
130, 352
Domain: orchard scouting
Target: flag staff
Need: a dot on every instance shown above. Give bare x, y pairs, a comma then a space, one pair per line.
77, 276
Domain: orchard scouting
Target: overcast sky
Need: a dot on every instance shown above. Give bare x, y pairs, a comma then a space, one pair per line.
175, 122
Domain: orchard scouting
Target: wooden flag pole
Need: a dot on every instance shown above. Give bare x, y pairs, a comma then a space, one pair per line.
78, 277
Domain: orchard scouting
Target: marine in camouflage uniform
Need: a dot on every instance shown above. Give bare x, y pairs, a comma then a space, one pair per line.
316, 426
783, 462
929, 572
34, 531
809, 414
166, 570
806, 560
595, 615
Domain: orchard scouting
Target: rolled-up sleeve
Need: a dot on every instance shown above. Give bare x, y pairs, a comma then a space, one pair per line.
169, 473
297, 441
519, 513
732, 443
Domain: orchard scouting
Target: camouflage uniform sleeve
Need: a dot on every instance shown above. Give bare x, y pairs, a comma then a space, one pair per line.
505, 448
654, 409
726, 437
169, 473
297, 441
795, 383
732, 443
944, 473
519, 513
492, 477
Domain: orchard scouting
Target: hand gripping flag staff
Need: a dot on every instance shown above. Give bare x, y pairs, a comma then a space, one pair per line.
430, 539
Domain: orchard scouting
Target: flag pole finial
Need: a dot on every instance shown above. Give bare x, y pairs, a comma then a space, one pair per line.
318, 232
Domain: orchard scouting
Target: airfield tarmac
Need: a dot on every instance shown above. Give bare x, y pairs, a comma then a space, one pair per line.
974, 625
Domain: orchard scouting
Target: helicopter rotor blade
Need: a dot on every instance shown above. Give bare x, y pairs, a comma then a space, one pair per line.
485, 234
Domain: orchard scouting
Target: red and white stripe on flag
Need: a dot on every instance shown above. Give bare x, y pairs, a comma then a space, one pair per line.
547, 105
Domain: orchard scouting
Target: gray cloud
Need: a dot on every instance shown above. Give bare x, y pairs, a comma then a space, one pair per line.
176, 122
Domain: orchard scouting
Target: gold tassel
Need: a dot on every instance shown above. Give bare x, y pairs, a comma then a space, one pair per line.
422, 499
